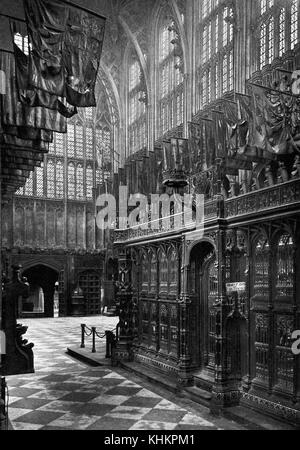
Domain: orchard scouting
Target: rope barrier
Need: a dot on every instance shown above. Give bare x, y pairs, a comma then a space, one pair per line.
93, 332
88, 334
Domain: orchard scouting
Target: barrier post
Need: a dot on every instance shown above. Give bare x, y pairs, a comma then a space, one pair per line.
82, 335
94, 338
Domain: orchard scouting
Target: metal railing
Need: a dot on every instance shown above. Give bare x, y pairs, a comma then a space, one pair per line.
112, 337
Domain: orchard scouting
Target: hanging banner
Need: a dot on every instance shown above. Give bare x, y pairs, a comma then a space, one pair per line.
65, 50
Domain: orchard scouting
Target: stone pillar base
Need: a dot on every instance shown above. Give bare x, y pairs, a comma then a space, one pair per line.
122, 353
185, 379
224, 397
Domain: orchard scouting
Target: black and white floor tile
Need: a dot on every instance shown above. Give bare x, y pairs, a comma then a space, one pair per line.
64, 394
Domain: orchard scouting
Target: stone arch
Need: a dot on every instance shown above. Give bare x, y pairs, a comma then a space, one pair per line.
195, 243
53, 265
203, 290
41, 278
134, 42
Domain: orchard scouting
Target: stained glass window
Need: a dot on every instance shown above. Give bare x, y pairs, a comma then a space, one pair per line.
50, 179
20, 191
52, 148
71, 181
59, 180
170, 79
99, 177
89, 143
79, 141
279, 20
29, 185
282, 32
90, 113
79, 182
59, 144
294, 22
71, 141
215, 34
65, 172
103, 150
89, 182
40, 181
137, 108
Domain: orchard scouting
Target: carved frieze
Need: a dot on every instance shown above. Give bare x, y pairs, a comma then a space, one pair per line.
280, 195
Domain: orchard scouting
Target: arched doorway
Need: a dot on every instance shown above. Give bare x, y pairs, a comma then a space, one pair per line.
42, 281
203, 285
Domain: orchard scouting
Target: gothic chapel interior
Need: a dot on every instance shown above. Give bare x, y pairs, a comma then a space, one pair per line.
197, 97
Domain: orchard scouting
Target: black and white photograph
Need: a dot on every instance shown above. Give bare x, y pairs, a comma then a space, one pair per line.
149, 218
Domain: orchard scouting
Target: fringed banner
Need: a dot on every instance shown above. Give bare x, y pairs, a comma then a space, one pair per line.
65, 45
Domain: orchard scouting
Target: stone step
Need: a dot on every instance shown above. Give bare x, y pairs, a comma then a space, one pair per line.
86, 356
254, 419
109, 314
197, 395
151, 375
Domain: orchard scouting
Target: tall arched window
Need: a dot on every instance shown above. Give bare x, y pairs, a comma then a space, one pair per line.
40, 181
90, 130
215, 51
71, 141
89, 182
50, 179
79, 182
59, 184
79, 141
71, 181
90, 114
136, 108
59, 144
29, 185
278, 29
89, 143
103, 150
294, 23
170, 79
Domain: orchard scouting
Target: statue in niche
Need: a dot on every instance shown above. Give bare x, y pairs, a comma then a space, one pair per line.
282, 174
269, 176
296, 167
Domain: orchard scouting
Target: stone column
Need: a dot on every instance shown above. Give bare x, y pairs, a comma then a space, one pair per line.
123, 350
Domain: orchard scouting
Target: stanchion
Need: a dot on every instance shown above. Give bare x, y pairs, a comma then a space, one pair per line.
82, 335
94, 339
111, 338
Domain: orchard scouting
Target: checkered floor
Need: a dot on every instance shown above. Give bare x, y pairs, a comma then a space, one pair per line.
66, 394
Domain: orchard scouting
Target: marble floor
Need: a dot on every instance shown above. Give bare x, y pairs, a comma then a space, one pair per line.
64, 393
